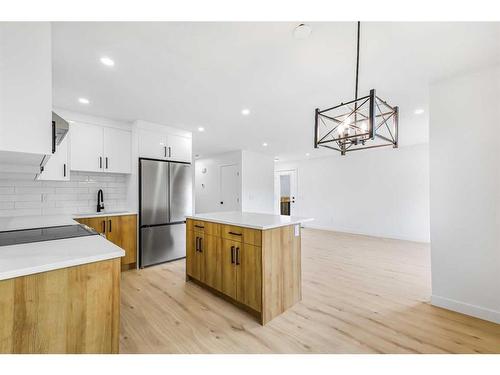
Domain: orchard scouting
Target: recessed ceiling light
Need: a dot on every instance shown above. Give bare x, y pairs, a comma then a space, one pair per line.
302, 31
107, 61
264, 144
419, 111
245, 111
83, 100
307, 154
201, 129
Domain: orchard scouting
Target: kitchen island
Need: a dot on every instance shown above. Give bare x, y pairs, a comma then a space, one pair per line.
58, 296
252, 260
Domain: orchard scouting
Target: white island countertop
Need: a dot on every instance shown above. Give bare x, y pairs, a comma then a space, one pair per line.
35, 257
250, 219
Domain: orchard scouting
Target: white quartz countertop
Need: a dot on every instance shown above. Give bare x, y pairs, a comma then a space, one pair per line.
250, 219
35, 257
99, 214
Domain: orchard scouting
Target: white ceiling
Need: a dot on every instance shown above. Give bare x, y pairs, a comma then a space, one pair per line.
203, 74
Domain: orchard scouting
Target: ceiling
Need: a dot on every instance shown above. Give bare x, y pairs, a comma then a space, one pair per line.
191, 75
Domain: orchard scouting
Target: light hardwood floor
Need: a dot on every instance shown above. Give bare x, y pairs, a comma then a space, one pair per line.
360, 295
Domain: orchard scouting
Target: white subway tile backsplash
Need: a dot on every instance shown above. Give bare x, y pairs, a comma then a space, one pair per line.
20, 197
6, 190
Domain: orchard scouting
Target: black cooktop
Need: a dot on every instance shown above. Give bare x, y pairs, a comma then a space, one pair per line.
15, 237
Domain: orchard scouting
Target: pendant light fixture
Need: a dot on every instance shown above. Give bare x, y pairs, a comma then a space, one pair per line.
362, 123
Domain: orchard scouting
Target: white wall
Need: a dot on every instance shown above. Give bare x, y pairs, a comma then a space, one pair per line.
207, 185
380, 192
257, 182
465, 194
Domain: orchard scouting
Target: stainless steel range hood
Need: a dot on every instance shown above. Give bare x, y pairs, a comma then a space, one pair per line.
60, 128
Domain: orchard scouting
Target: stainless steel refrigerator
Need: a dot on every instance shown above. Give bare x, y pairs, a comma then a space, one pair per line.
165, 200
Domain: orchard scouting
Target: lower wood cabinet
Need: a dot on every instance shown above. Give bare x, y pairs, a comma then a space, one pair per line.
258, 271
69, 310
121, 230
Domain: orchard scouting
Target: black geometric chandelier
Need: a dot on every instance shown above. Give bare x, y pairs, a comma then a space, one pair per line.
362, 123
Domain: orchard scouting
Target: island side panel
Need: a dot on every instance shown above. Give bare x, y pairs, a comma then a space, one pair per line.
70, 310
281, 270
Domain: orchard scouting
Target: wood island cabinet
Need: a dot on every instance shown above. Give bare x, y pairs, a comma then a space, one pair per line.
258, 270
121, 230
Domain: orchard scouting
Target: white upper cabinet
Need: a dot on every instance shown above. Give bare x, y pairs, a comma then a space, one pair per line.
179, 148
96, 148
57, 167
87, 147
26, 88
152, 145
157, 145
117, 151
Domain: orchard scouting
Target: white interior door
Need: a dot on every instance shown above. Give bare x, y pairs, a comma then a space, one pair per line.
286, 186
230, 188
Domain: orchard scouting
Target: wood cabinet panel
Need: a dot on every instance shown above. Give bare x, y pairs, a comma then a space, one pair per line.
249, 275
281, 271
190, 253
194, 255
97, 223
122, 231
206, 227
228, 268
245, 235
213, 264
70, 310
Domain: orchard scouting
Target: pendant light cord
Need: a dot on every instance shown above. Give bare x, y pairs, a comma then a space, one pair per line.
357, 62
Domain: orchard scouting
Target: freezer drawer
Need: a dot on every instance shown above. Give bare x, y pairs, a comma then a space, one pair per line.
162, 243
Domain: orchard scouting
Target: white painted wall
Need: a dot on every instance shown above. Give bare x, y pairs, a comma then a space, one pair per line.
381, 192
257, 182
207, 180
465, 194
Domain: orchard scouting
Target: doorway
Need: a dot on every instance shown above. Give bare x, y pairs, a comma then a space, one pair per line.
286, 183
229, 188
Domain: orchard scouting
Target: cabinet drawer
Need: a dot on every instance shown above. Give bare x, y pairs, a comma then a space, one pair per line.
240, 234
212, 229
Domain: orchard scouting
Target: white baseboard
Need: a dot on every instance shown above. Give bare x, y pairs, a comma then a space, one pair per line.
466, 308
393, 237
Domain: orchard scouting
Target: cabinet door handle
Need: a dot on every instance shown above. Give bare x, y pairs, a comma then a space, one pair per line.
237, 256
196, 244
106, 162
169, 151
104, 226
100, 162
235, 234
109, 222
199, 226
165, 150
232, 254
201, 244
64, 170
